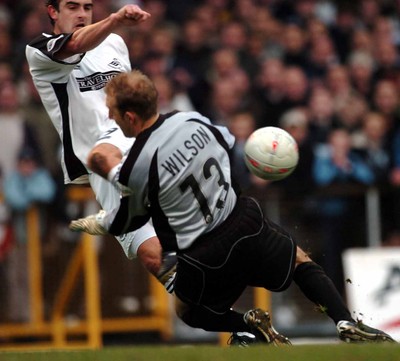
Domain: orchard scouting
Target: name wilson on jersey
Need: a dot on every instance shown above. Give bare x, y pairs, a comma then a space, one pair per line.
181, 157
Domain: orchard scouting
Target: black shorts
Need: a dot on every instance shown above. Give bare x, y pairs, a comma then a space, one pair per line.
246, 250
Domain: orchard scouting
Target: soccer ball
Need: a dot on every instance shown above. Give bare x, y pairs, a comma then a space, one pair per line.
271, 153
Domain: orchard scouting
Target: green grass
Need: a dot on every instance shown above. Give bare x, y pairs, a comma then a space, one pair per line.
340, 352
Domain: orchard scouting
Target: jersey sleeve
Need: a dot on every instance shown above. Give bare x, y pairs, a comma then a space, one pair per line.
49, 45
40, 54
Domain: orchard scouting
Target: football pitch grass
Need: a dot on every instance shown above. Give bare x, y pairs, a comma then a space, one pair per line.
339, 352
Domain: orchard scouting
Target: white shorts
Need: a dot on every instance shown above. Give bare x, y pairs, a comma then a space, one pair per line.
109, 197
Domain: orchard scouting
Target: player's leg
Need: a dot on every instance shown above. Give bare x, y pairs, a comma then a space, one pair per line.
319, 288
311, 279
252, 327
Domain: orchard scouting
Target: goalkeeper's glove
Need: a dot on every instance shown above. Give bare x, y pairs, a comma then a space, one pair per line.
91, 224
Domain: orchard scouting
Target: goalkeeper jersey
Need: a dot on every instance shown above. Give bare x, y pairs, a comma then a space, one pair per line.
72, 91
179, 173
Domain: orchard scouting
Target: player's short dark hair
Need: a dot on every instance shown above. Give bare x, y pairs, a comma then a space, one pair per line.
54, 3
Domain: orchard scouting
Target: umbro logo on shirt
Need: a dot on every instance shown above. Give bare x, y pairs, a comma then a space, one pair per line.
52, 42
115, 64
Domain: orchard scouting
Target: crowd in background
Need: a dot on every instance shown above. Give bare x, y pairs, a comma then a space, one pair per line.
327, 71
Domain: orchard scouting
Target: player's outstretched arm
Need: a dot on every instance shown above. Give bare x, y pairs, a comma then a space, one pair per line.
90, 36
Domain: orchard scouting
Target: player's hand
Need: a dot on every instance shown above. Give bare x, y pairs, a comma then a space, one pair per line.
131, 15
90, 224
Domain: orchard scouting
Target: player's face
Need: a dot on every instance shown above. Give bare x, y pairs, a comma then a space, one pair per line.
72, 15
123, 121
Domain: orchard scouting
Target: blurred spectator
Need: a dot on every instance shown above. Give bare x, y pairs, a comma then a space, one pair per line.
208, 17
315, 30
241, 125
34, 22
297, 190
224, 101
230, 86
170, 98
351, 111
225, 62
361, 40
361, 70
339, 83
271, 29
368, 12
15, 132
270, 92
300, 182
321, 113
340, 214
387, 60
158, 11
372, 141
178, 10
5, 46
6, 72
341, 31
137, 45
322, 56
28, 185
193, 58
245, 11
386, 101
234, 36
383, 30
294, 42
295, 11
37, 119
295, 87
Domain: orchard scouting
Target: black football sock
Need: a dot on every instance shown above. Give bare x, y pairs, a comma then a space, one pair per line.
230, 321
319, 288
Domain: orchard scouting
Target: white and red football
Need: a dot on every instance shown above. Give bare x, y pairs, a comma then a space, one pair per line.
271, 153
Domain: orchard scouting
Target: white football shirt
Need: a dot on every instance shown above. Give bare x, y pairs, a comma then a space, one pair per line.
72, 92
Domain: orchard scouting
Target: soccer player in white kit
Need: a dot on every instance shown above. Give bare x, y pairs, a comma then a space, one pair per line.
70, 69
